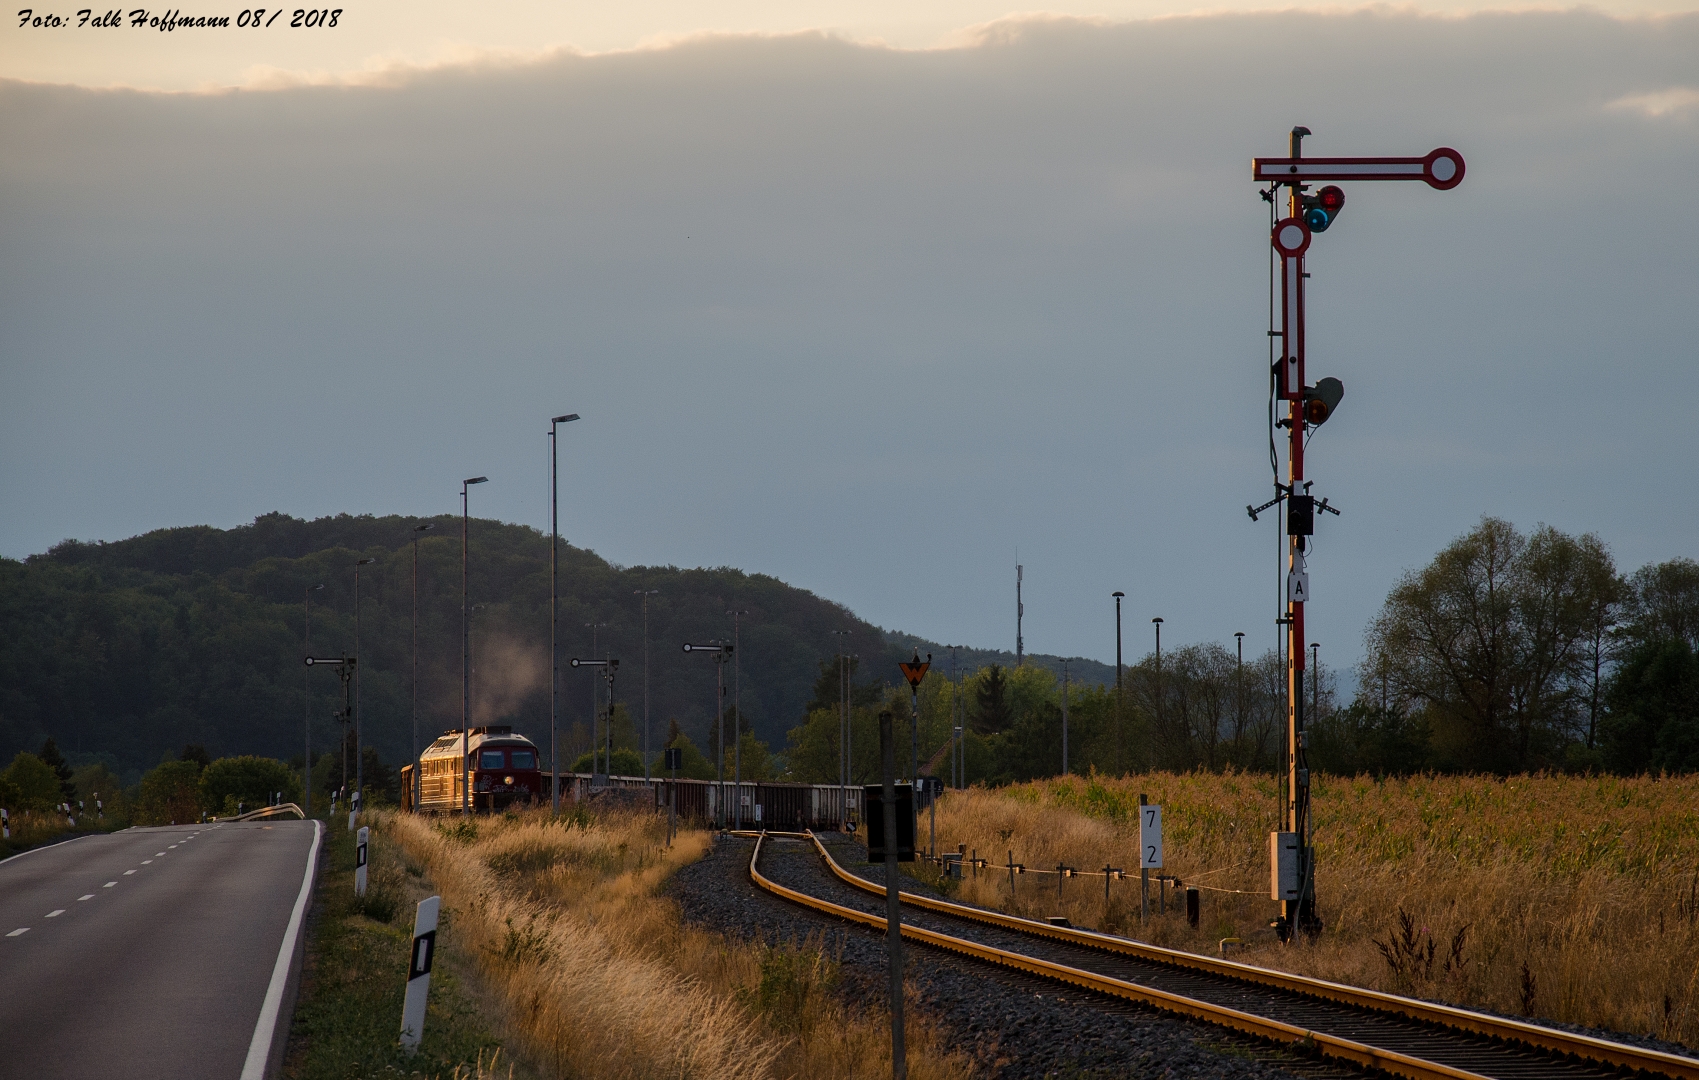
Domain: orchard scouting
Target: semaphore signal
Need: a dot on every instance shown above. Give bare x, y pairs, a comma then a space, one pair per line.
1291, 859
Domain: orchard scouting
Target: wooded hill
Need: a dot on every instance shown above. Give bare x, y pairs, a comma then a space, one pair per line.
127, 651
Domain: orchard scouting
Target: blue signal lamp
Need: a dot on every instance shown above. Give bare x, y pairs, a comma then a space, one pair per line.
1323, 207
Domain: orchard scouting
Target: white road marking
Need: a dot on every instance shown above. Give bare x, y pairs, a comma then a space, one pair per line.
55, 913
109, 884
173, 847
157, 854
259, 1050
18, 931
127, 873
90, 896
146, 861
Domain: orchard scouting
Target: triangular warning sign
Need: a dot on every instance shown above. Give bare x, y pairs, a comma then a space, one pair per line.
915, 671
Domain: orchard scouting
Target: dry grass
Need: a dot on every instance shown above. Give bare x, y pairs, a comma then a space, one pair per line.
597, 975
1568, 898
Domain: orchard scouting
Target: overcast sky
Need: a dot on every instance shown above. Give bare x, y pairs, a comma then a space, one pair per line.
867, 318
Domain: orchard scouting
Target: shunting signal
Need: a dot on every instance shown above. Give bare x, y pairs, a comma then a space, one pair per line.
1323, 207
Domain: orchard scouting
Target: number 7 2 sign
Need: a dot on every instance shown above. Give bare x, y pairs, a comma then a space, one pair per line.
1150, 837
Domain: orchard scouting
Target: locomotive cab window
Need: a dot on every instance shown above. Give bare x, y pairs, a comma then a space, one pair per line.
523, 759
490, 759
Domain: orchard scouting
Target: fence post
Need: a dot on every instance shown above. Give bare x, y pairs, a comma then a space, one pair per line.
1192, 906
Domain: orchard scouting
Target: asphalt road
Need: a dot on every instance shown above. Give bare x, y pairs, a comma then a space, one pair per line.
150, 952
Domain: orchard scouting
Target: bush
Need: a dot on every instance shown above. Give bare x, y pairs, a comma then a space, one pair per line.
32, 783
170, 793
248, 781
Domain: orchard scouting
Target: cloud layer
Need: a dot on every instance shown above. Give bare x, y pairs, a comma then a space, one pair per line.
872, 319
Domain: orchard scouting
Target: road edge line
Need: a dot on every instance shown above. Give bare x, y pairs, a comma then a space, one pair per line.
265, 1030
50, 844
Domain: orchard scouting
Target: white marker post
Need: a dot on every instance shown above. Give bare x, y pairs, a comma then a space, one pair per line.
1150, 849
419, 973
360, 863
353, 809
6, 824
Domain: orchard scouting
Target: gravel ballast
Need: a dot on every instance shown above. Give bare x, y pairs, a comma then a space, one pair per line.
1016, 1026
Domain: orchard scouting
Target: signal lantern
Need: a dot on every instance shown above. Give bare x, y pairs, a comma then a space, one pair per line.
1321, 399
1321, 208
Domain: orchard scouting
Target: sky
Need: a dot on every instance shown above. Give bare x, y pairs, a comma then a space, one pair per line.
877, 299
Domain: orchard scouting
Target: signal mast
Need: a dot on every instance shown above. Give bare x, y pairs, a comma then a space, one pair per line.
1291, 859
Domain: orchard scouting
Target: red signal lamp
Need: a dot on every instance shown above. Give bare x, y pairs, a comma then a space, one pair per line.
1321, 208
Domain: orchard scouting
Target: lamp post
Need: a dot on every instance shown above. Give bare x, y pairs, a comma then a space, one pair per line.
307, 687
1239, 678
1158, 623
646, 594
719, 652
737, 726
359, 765
554, 611
1064, 718
413, 705
466, 655
1315, 680
1117, 594
843, 729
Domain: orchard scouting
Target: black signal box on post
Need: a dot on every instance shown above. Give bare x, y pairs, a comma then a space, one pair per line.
1300, 515
874, 815
674, 758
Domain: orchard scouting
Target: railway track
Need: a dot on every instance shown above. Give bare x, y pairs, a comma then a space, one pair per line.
1401, 1036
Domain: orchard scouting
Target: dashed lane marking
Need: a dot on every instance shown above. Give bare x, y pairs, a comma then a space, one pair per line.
90, 896
55, 913
109, 884
19, 931
127, 873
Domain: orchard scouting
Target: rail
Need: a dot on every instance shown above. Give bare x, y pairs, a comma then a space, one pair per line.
1547, 1039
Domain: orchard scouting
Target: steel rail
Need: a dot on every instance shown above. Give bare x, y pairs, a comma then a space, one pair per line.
1548, 1039
1247, 1023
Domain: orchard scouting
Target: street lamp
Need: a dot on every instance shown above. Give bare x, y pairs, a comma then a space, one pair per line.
1118, 594
359, 765
307, 687
413, 705
1158, 622
719, 652
1239, 677
1315, 680
737, 726
844, 777
554, 610
466, 655
646, 594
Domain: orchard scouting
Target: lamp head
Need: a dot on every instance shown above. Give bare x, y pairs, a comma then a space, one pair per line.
567, 419
1158, 619
1117, 594
425, 527
364, 562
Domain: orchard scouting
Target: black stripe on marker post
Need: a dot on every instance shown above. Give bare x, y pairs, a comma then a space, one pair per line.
424, 950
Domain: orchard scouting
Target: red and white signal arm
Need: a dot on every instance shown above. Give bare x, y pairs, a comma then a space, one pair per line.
1441, 169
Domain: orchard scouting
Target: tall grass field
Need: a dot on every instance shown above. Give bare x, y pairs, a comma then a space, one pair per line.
1566, 898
